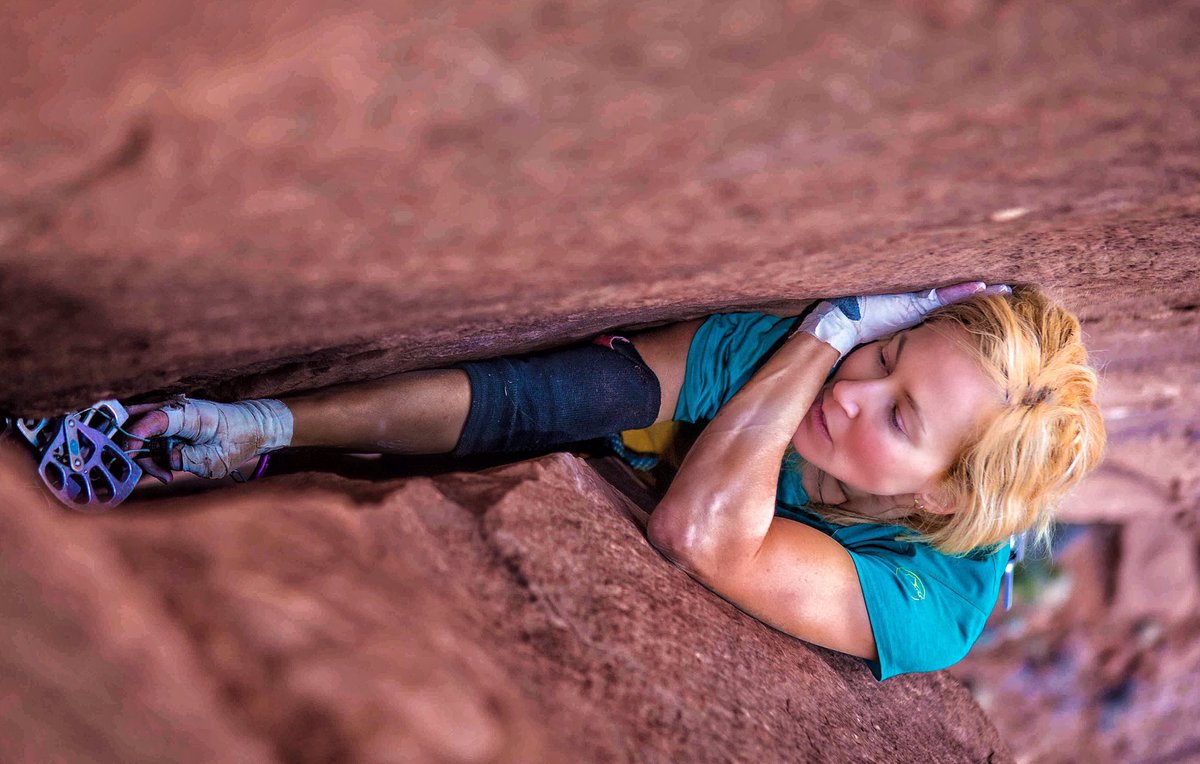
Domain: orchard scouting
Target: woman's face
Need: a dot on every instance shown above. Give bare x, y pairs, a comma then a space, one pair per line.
897, 412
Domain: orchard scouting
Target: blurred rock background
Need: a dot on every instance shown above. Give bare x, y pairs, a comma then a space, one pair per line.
238, 200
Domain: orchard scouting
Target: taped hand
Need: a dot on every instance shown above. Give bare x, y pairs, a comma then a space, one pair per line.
847, 322
210, 439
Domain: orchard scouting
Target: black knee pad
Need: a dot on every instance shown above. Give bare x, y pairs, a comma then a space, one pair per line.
536, 402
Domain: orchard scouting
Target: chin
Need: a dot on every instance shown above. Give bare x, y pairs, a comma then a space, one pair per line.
800, 446
804, 449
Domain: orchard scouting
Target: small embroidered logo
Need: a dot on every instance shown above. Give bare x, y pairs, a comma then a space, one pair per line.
916, 589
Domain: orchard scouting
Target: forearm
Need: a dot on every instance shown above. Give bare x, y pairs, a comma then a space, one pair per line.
418, 412
723, 499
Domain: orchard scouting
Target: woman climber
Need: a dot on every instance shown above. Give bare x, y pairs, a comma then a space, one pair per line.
860, 473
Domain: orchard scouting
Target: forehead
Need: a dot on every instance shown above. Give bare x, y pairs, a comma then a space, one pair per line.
952, 392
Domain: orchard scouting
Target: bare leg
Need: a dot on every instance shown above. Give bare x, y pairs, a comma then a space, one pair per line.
423, 412
417, 412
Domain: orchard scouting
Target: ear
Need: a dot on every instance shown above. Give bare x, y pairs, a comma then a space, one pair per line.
937, 502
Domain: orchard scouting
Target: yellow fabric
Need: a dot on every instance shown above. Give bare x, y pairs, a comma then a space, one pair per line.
655, 439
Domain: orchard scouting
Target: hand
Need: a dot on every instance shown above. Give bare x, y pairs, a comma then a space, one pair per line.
206, 438
848, 322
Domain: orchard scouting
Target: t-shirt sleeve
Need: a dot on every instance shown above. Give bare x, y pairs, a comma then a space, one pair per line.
725, 352
926, 608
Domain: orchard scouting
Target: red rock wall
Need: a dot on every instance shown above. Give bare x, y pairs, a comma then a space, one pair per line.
254, 199
514, 615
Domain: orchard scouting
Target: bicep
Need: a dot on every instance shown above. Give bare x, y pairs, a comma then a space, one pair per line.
801, 582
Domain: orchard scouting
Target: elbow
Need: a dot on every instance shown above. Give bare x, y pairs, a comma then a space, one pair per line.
664, 532
682, 540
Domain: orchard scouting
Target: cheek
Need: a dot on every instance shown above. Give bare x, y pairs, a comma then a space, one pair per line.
879, 466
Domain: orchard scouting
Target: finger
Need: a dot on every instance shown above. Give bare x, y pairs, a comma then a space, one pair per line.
141, 430
142, 408
998, 289
150, 425
958, 292
153, 470
142, 425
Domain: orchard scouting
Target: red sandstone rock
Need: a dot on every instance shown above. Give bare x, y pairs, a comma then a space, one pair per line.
1157, 579
95, 666
512, 615
251, 200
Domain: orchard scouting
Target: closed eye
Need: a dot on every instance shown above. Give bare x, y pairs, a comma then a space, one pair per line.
894, 420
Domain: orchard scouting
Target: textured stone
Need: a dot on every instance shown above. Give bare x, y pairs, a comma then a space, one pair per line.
1157, 579
516, 614
243, 200
94, 665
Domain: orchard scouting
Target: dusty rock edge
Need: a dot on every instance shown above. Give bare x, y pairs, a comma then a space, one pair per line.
516, 614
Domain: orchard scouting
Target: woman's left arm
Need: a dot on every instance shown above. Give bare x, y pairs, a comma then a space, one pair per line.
717, 520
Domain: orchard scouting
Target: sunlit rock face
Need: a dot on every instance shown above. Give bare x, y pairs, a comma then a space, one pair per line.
255, 200
511, 615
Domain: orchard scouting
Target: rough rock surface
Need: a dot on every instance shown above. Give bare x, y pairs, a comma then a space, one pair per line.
516, 615
257, 199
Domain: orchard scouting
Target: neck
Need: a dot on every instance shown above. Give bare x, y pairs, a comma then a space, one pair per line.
824, 488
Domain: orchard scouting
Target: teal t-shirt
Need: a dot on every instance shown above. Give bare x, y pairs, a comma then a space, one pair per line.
926, 608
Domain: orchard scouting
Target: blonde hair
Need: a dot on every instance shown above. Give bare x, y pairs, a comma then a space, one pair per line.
1012, 473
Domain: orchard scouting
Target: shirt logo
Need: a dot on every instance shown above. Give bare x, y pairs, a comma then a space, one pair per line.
916, 588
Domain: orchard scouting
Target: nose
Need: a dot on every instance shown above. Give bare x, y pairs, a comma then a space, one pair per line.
852, 395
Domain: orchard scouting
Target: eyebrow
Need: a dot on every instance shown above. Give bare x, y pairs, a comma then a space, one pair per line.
912, 404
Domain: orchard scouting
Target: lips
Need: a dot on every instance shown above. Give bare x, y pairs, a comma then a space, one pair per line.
819, 415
